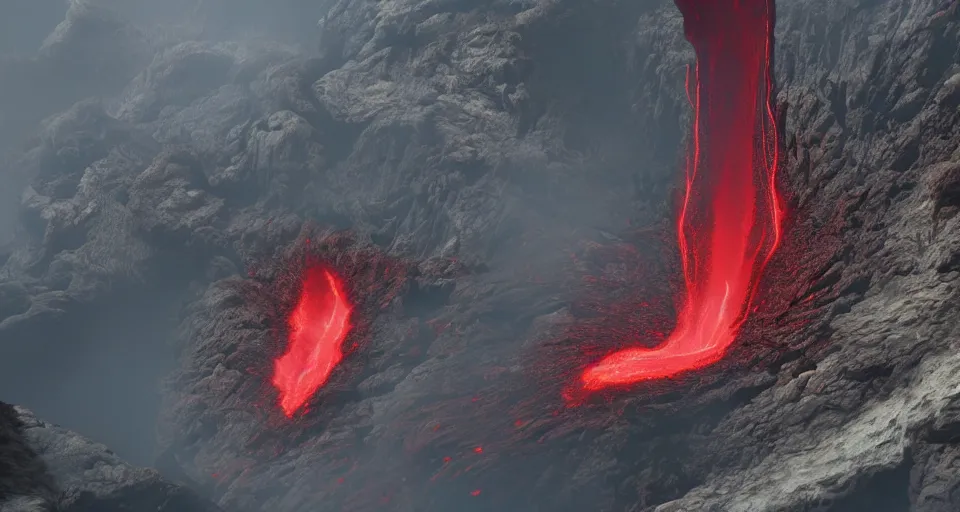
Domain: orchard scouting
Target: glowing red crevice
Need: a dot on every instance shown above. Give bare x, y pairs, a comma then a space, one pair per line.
730, 220
318, 325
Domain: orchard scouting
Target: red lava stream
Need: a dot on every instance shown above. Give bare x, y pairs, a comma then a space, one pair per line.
318, 325
730, 221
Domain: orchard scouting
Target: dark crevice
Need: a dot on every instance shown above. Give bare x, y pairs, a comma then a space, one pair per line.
886, 491
422, 300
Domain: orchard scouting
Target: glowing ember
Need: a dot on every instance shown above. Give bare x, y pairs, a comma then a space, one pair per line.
318, 325
730, 220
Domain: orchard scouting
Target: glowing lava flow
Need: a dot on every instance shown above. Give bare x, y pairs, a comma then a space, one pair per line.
318, 325
730, 221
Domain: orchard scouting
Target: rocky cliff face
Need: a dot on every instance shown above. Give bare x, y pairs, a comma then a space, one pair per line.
470, 149
44, 467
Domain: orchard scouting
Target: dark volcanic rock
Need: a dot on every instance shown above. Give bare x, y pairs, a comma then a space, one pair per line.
25, 483
478, 145
44, 467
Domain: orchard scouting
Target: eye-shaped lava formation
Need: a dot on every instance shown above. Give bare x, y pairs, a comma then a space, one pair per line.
318, 326
321, 298
730, 220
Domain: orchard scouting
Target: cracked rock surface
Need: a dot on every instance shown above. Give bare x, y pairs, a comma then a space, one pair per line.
471, 148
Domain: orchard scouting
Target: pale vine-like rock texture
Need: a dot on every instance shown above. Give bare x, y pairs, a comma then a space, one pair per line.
465, 163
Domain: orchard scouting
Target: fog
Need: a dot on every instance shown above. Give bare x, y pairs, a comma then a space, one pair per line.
96, 368
94, 361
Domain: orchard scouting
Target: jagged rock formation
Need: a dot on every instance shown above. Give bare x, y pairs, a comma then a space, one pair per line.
501, 134
45, 468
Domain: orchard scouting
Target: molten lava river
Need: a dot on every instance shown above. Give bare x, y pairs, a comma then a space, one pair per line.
730, 220
318, 325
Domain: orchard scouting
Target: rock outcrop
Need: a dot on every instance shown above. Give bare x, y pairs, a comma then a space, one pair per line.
46, 468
